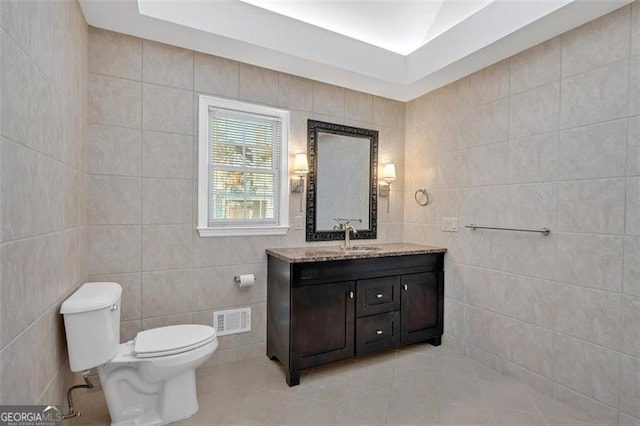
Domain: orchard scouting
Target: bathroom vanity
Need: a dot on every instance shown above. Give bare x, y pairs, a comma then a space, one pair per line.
326, 304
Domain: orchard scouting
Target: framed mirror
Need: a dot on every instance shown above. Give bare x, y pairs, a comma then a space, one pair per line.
342, 181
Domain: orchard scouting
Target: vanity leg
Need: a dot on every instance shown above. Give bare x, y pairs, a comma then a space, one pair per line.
435, 341
293, 378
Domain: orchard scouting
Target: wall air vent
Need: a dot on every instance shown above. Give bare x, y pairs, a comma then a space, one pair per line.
232, 321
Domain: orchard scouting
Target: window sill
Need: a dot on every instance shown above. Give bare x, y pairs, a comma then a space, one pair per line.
243, 231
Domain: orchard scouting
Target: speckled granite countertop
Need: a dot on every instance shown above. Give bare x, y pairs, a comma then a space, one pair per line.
360, 250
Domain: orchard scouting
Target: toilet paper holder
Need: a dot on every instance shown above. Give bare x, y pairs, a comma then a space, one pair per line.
244, 280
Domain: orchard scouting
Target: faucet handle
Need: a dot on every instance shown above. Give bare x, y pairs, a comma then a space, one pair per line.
341, 222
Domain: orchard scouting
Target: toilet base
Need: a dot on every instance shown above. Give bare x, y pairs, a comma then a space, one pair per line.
141, 403
152, 391
179, 399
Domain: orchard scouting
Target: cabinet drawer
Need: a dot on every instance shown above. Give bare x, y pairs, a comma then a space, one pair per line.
377, 332
377, 295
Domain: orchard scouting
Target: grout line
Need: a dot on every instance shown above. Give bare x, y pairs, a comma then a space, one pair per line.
557, 187
142, 81
43, 154
140, 177
140, 129
390, 385
553, 381
624, 227
33, 62
194, 174
560, 333
484, 399
142, 162
238, 97
6, 243
535, 404
589, 70
53, 306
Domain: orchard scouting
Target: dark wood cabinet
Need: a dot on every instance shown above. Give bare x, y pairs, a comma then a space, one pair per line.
418, 291
324, 311
322, 329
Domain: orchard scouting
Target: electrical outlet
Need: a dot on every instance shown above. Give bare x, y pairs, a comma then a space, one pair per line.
450, 224
298, 222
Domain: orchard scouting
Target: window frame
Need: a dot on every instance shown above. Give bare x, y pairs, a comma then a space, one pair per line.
282, 227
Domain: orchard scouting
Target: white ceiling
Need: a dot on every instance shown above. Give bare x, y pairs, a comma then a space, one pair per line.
399, 49
396, 25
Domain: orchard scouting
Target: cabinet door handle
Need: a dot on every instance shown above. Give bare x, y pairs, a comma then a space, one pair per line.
406, 287
351, 295
378, 331
379, 295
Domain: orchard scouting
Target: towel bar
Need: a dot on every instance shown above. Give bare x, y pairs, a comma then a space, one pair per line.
544, 231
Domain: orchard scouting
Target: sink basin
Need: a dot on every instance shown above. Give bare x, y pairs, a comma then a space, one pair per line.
352, 249
360, 248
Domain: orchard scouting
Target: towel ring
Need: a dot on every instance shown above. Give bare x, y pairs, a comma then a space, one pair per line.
425, 194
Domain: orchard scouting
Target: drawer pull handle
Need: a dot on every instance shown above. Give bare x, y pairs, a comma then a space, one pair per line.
378, 331
379, 296
351, 295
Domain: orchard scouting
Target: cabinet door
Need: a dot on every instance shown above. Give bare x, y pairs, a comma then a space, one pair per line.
322, 323
422, 306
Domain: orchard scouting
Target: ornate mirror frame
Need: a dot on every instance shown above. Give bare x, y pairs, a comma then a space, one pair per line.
313, 128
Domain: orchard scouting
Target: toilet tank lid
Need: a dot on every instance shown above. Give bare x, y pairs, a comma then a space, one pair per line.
91, 297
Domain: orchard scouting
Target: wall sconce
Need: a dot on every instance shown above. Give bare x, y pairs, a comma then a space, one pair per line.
300, 169
388, 176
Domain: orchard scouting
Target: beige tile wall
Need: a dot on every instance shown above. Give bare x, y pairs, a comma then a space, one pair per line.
43, 199
142, 148
549, 137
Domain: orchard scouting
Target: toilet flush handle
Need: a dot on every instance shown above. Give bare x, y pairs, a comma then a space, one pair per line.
114, 307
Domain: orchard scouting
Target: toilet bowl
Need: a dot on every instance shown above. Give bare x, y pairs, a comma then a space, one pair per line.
159, 387
149, 380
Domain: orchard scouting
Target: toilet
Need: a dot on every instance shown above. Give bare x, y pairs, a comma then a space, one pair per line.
149, 380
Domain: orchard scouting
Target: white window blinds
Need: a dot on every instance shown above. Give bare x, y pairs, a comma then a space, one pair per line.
243, 168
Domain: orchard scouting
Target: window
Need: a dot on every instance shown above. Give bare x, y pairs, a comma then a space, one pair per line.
242, 169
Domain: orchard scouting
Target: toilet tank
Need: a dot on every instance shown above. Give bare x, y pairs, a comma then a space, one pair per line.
92, 324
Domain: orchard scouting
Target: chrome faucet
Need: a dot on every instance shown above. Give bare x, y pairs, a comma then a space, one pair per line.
347, 236
343, 225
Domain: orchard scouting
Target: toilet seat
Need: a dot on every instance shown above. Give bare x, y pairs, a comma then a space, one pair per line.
171, 340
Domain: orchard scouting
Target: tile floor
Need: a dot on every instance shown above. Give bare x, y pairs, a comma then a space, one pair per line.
415, 385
